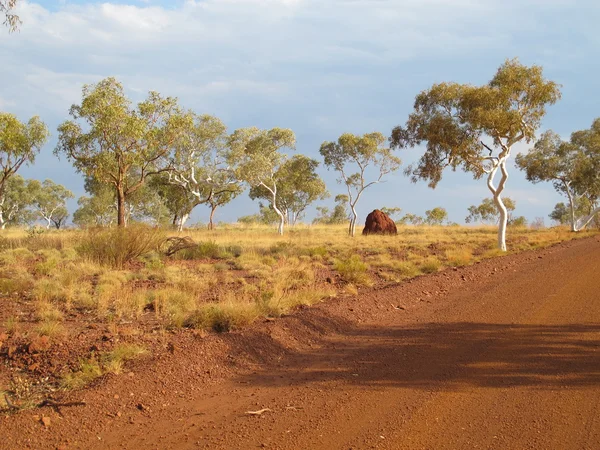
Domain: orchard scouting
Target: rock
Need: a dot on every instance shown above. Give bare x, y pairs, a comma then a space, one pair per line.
39, 344
46, 421
379, 222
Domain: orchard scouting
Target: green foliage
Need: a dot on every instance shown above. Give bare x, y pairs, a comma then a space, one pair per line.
339, 214
116, 144
353, 270
455, 119
50, 201
18, 199
115, 247
257, 156
360, 153
202, 168
487, 212
391, 212
412, 219
436, 216
573, 168
265, 216
298, 185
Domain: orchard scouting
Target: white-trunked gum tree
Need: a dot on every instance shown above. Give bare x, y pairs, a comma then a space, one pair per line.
474, 128
19, 145
257, 156
360, 153
201, 167
573, 168
116, 144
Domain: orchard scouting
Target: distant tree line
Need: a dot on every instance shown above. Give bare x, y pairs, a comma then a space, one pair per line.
156, 161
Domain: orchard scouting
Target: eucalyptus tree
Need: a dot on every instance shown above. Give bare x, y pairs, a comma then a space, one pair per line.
486, 211
220, 198
354, 158
19, 145
436, 216
573, 168
49, 200
391, 211
95, 210
257, 156
17, 201
179, 201
11, 20
117, 144
298, 186
98, 208
339, 214
413, 219
474, 128
201, 166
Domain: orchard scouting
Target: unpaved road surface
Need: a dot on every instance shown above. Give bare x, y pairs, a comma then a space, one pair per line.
503, 354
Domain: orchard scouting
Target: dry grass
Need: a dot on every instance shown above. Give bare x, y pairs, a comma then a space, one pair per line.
98, 365
233, 276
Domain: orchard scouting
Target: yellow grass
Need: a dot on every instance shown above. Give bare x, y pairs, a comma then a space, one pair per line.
235, 274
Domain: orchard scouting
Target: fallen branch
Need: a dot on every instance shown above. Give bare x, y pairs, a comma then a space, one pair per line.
258, 413
51, 403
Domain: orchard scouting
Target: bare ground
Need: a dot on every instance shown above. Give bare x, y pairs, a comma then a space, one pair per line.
502, 354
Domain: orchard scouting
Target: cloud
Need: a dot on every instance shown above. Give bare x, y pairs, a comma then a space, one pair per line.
318, 67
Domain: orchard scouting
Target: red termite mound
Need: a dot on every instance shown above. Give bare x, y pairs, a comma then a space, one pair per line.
379, 222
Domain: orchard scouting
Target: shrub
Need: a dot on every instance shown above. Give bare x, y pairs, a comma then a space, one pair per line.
222, 317
430, 265
115, 247
353, 270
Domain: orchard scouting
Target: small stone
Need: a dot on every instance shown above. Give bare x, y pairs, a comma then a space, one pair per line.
116, 397
46, 421
40, 344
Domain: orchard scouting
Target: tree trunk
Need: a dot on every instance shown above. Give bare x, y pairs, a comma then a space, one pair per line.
48, 224
120, 207
277, 210
584, 221
571, 207
353, 221
211, 225
182, 220
497, 192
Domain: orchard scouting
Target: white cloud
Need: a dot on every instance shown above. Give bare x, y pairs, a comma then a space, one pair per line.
321, 67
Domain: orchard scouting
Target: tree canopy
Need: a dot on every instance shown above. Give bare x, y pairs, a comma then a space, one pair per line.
298, 185
572, 167
19, 144
353, 157
117, 144
256, 155
455, 121
50, 201
487, 212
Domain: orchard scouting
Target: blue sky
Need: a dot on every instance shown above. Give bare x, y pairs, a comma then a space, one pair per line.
319, 67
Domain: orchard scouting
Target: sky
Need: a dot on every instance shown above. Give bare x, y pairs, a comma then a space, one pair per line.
319, 67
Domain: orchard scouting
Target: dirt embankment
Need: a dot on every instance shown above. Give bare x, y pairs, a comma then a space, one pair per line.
502, 354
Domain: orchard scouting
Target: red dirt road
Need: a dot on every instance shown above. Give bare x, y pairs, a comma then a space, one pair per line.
503, 354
